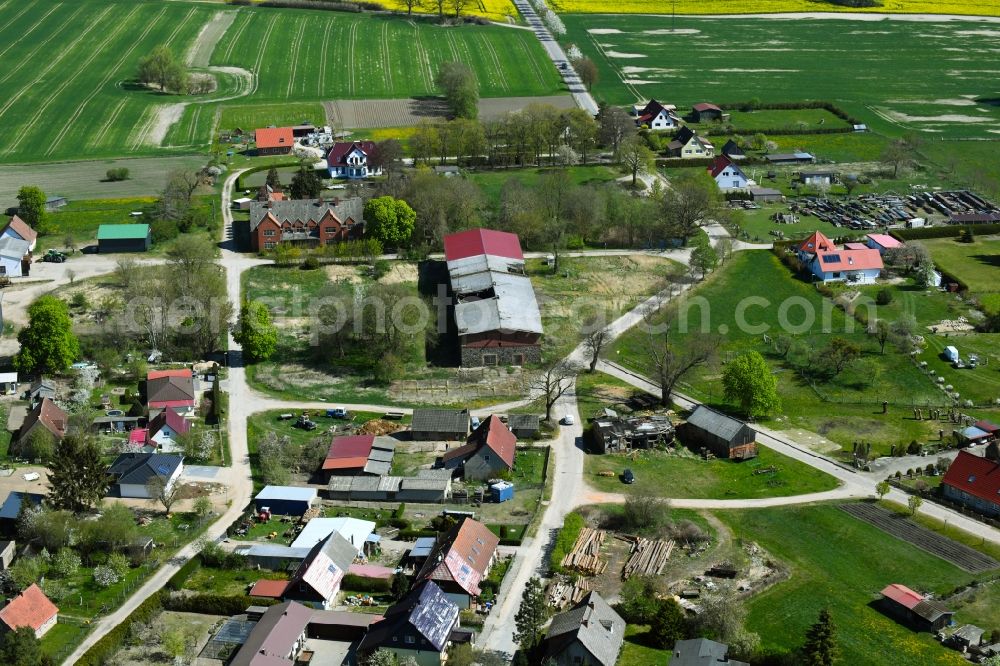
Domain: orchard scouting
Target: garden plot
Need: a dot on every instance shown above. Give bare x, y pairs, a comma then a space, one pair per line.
898, 526
913, 88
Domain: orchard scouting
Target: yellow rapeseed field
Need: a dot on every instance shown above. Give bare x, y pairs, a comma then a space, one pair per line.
967, 7
494, 10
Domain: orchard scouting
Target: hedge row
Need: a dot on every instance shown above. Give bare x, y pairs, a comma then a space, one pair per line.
357, 583
313, 4
214, 604
407, 535
946, 231
177, 581
754, 105
102, 651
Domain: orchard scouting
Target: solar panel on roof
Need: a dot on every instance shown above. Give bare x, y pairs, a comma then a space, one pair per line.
831, 257
162, 469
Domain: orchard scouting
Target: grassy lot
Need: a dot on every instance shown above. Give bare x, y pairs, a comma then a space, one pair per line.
918, 86
595, 391
798, 119
491, 182
758, 224
274, 42
980, 604
823, 548
592, 286
843, 409
62, 638
636, 650
230, 582
685, 475
250, 117
976, 264
971, 7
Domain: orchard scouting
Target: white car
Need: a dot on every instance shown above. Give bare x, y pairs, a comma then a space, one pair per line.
568, 420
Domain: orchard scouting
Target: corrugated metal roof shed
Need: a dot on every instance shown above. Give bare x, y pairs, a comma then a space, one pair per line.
715, 422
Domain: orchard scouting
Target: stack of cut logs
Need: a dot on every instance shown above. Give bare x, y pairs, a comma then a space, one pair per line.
647, 557
565, 592
585, 554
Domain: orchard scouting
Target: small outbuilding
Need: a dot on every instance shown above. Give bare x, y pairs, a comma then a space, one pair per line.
914, 609
123, 238
285, 500
722, 435
766, 195
440, 424
8, 383
705, 112
524, 426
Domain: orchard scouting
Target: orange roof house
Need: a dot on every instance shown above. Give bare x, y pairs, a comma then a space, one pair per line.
274, 140
32, 609
852, 263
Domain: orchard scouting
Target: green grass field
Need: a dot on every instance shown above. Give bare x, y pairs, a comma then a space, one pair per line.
923, 82
670, 475
976, 264
69, 91
840, 563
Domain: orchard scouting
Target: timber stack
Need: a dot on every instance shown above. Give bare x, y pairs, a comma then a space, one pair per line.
647, 557
585, 556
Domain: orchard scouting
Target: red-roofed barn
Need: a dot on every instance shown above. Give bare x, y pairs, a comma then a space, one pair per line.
973, 482
274, 140
914, 609
31, 609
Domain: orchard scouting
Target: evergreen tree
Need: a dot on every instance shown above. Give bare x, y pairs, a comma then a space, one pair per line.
820, 648
305, 184
21, 648
273, 179
77, 475
667, 625
531, 616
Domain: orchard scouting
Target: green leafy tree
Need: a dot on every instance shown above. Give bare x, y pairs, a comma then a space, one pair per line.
77, 475
305, 184
65, 563
28, 570
635, 156
882, 489
31, 205
389, 220
255, 331
914, 503
748, 381
820, 648
457, 82
668, 624
838, 354
22, 648
531, 616
400, 586
47, 342
382, 657
704, 257
162, 69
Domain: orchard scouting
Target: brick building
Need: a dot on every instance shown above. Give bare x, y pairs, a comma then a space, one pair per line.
305, 222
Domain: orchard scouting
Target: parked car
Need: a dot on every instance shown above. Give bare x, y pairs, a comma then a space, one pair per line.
305, 423
475, 422
338, 413
568, 420
628, 477
286, 416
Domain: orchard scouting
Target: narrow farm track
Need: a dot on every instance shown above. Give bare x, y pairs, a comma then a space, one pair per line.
98, 138
68, 124
84, 67
180, 26
426, 73
351, 48
492, 54
27, 33
386, 56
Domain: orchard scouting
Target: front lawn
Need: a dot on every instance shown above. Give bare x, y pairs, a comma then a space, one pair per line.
228, 582
684, 475
841, 563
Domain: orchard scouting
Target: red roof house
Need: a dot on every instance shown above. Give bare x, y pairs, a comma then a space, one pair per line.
166, 426
705, 111
350, 159
170, 388
460, 561
274, 140
829, 263
47, 416
817, 242
32, 609
973, 481
18, 228
476, 242
269, 589
489, 452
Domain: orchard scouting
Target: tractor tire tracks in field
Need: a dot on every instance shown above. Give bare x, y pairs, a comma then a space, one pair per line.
294, 68
28, 57
30, 30
321, 79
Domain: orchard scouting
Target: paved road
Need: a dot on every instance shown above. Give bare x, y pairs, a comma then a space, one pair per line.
579, 91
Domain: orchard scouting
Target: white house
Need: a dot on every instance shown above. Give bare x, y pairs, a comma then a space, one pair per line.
353, 530
19, 229
8, 383
350, 160
658, 116
727, 175
131, 473
857, 265
687, 144
166, 426
12, 253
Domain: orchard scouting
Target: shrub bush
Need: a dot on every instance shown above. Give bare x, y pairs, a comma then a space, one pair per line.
364, 584
115, 175
883, 297
101, 651
177, 581
213, 604
310, 264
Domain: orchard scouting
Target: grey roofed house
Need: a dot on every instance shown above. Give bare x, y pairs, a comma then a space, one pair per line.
523, 425
139, 468
765, 194
511, 308
319, 576
702, 652
41, 388
425, 615
11, 507
277, 638
306, 210
590, 632
440, 424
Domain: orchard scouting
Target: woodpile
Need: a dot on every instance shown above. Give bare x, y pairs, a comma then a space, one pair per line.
564, 592
647, 557
585, 556
312, 512
379, 427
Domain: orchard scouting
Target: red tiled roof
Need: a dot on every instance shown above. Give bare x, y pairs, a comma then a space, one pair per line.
987, 426
465, 553
979, 477
169, 417
721, 163
274, 137
31, 608
170, 388
494, 433
339, 150
21, 228
158, 374
902, 595
705, 106
850, 260
48, 414
271, 589
855, 246
138, 436
349, 452
817, 241
475, 242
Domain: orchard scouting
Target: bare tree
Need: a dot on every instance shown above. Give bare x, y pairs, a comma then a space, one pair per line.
671, 361
554, 380
880, 331
614, 125
691, 199
164, 491
587, 70
595, 337
635, 156
410, 5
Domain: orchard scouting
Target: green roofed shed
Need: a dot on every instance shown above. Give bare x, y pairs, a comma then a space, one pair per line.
123, 238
